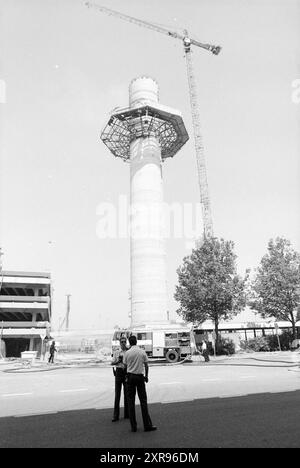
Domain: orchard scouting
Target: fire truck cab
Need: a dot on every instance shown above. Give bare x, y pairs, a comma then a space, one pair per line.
172, 344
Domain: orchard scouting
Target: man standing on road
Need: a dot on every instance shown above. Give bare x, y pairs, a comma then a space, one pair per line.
205, 351
135, 361
52, 351
119, 373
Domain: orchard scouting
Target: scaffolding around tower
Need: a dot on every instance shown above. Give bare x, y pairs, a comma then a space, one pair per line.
144, 118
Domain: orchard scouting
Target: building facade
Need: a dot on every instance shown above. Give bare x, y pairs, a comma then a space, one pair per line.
25, 312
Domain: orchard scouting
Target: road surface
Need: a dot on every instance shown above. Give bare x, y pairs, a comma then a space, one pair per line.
231, 404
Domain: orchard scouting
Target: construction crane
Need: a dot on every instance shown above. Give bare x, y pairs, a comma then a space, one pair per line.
200, 158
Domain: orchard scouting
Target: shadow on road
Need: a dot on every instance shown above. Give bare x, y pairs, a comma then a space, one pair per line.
261, 420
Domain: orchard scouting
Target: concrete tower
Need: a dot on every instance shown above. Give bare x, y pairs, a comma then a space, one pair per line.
145, 134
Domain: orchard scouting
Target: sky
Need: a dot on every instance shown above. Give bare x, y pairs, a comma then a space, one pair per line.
64, 68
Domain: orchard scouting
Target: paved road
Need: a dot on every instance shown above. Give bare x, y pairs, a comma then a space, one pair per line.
72, 407
83, 388
264, 420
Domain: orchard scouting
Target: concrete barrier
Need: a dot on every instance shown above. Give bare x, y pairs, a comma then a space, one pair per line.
29, 356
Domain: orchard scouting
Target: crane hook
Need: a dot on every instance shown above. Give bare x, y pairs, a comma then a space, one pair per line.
187, 43
216, 50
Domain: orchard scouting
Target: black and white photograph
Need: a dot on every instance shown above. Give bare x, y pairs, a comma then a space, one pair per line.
149, 227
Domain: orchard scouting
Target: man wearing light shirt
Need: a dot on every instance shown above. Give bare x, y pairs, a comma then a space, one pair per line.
136, 361
205, 351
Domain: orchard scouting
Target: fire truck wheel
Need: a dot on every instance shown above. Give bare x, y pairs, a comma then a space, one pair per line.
172, 355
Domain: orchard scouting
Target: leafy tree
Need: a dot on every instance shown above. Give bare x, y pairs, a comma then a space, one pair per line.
276, 287
209, 288
286, 338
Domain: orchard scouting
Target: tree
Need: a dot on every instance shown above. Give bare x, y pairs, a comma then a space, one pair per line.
276, 287
209, 287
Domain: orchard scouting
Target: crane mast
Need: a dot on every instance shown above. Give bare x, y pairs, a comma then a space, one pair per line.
200, 158
199, 149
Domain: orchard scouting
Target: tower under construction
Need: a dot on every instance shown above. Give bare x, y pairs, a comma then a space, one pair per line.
145, 134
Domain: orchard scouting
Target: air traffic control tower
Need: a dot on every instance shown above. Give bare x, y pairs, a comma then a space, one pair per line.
145, 134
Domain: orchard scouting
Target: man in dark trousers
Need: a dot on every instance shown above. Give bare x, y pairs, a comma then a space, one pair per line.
119, 373
52, 351
205, 351
135, 361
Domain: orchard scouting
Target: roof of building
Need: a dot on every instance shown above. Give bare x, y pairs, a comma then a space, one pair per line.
26, 274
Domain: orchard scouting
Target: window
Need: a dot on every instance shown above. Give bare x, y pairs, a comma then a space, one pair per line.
171, 336
144, 336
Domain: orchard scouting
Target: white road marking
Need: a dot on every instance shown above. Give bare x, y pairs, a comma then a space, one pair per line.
34, 414
170, 383
247, 377
16, 394
74, 390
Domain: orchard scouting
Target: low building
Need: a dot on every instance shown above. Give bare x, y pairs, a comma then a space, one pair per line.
243, 327
25, 312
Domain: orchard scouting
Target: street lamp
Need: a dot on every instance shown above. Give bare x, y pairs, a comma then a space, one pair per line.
1, 269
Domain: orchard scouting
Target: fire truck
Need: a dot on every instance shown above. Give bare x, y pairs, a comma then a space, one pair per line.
170, 343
